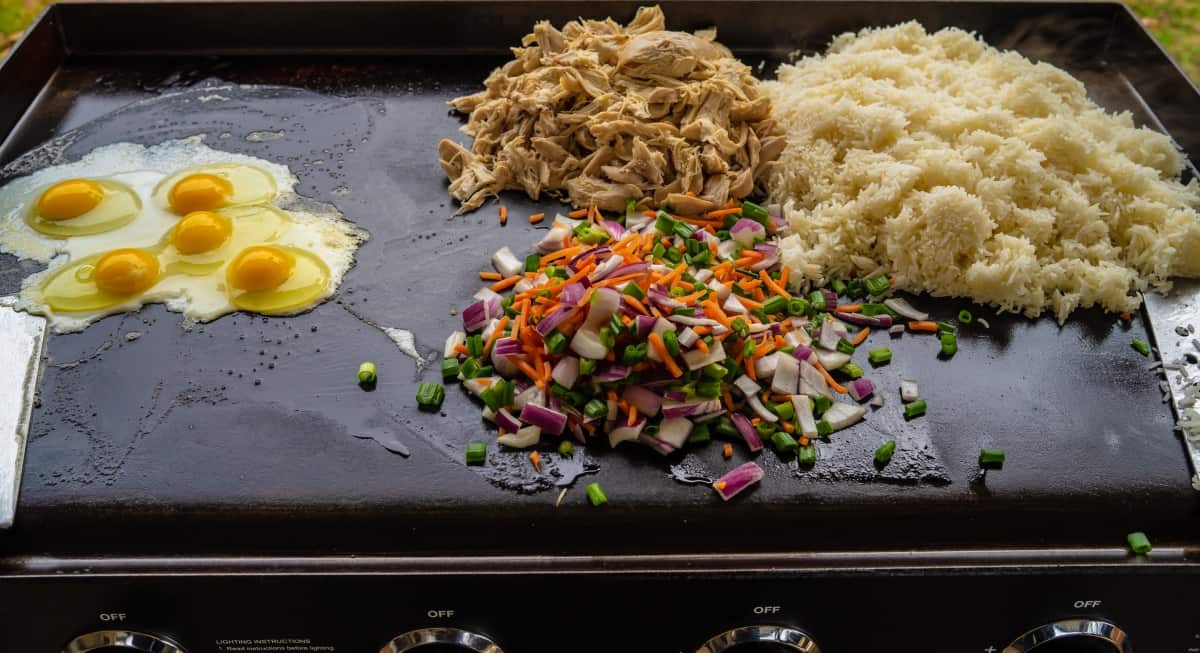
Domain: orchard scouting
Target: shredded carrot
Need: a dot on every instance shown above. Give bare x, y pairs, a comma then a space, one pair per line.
803, 441
926, 327
522, 319
747, 302
536, 218
536, 459
783, 276
719, 485
700, 222
583, 272
721, 213
650, 214
860, 337
787, 426
546, 369
850, 308
702, 346
780, 343
674, 274
579, 213
505, 284
727, 398
566, 239
633, 415
727, 451
751, 285
529, 371
503, 215
691, 193
636, 304
490, 276
462, 349
496, 333
749, 365
714, 312
779, 290
828, 379
661, 347
485, 382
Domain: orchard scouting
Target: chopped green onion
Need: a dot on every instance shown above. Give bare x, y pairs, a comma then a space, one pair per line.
430, 396
755, 212
748, 349
476, 453
844, 346
587, 366
784, 410
595, 408
659, 251
946, 327
664, 223
673, 255
824, 428
965, 317
739, 290
1139, 543
879, 356
872, 309
740, 327
684, 230
367, 372
853, 371
709, 388
797, 306
821, 403
497, 395
807, 456
533, 262
450, 368
877, 285
1141, 346
783, 442
475, 346
556, 343
855, 289
595, 494
700, 434
816, 300
838, 286
776, 304
725, 428
634, 354
715, 371
991, 457
949, 344
671, 341
484, 370
723, 234
607, 337
469, 369
566, 449
915, 409
883, 455
765, 429
635, 291
676, 291
506, 305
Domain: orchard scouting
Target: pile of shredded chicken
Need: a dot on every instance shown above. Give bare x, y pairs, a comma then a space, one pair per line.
609, 113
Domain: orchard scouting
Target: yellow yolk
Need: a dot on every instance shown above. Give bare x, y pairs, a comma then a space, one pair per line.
125, 271
260, 268
199, 192
200, 231
69, 199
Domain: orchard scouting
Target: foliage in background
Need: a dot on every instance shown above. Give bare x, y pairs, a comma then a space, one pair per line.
1176, 23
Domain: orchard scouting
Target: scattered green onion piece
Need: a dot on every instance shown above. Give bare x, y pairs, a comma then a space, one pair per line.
845, 346
838, 286
824, 428
1139, 543
450, 368
880, 356
853, 371
556, 343
671, 341
635, 291
595, 494
765, 429
475, 346
498, 395
659, 251
367, 372
664, 223
946, 327
566, 449
755, 212
821, 403
607, 338
469, 369
990, 457
855, 289
684, 230
476, 453
725, 428
723, 234
877, 285
485, 370
430, 396
1141, 346
587, 366
883, 455
871, 309
748, 349
634, 354
807, 455
595, 408
700, 434
676, 291
915, 409
783, 442
817, 300
740, 327
784, 410
949, 344
533, 262
674, 255
776, 304
965, 317
797, 306
789, 349
709, 388
715, 371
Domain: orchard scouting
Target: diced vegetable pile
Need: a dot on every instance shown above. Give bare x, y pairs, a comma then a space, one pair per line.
668, 331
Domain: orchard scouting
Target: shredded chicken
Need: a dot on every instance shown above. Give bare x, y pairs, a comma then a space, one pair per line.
601, 114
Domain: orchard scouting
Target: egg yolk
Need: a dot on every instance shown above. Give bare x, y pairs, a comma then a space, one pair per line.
200, 231
125, 271
260, 268
69, 199
199, 192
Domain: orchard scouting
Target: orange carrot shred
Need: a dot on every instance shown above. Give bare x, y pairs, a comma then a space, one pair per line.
633, 415
779, 290
727, 451
661, 347
536, 459
926, 327
719, 485
860, 337
536, 218
828, 379
579, 213
850, 308
462, 349
702, 346
490, 276
505, 284
803, 441
721, 213
496, 333
503, 215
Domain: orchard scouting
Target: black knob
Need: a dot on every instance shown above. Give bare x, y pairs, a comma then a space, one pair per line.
1073, 636
761, 639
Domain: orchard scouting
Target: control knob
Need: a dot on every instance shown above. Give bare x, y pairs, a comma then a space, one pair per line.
441, 640
761, 639
121, 641
1073, 636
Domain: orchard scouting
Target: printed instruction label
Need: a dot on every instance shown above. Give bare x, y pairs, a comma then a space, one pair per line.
289, 644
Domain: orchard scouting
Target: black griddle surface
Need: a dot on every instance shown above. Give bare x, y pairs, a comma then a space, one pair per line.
249, 434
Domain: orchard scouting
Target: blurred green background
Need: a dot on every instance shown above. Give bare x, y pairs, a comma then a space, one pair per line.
1176, 23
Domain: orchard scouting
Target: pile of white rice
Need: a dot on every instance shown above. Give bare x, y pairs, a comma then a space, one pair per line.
967, 171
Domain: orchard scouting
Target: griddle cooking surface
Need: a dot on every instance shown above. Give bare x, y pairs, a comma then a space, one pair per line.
250, 433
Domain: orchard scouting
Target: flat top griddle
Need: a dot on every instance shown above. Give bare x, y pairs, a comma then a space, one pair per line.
249, 433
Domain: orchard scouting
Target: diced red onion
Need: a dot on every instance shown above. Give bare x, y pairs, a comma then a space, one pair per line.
661, 447
831, 299
693, 321
450, 349
861, 389
611, 373
732, 305
566, 372
688, 337
745, 231
879, 321
506, 421
831, 360
904, 309
746, 385
775, 210
551, 321
746, 429
738, 479
501, 351
802, 352
572, 293
675, 395
896, 329
644, 324
674, 408
828, 336
632, 268
814, 379
552, 241
803, 407
766, 264
624, 432
662, 298
646, 401
530, 395
606, 268
614, 229
550, 421
600, 253
777, 222
477, 315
